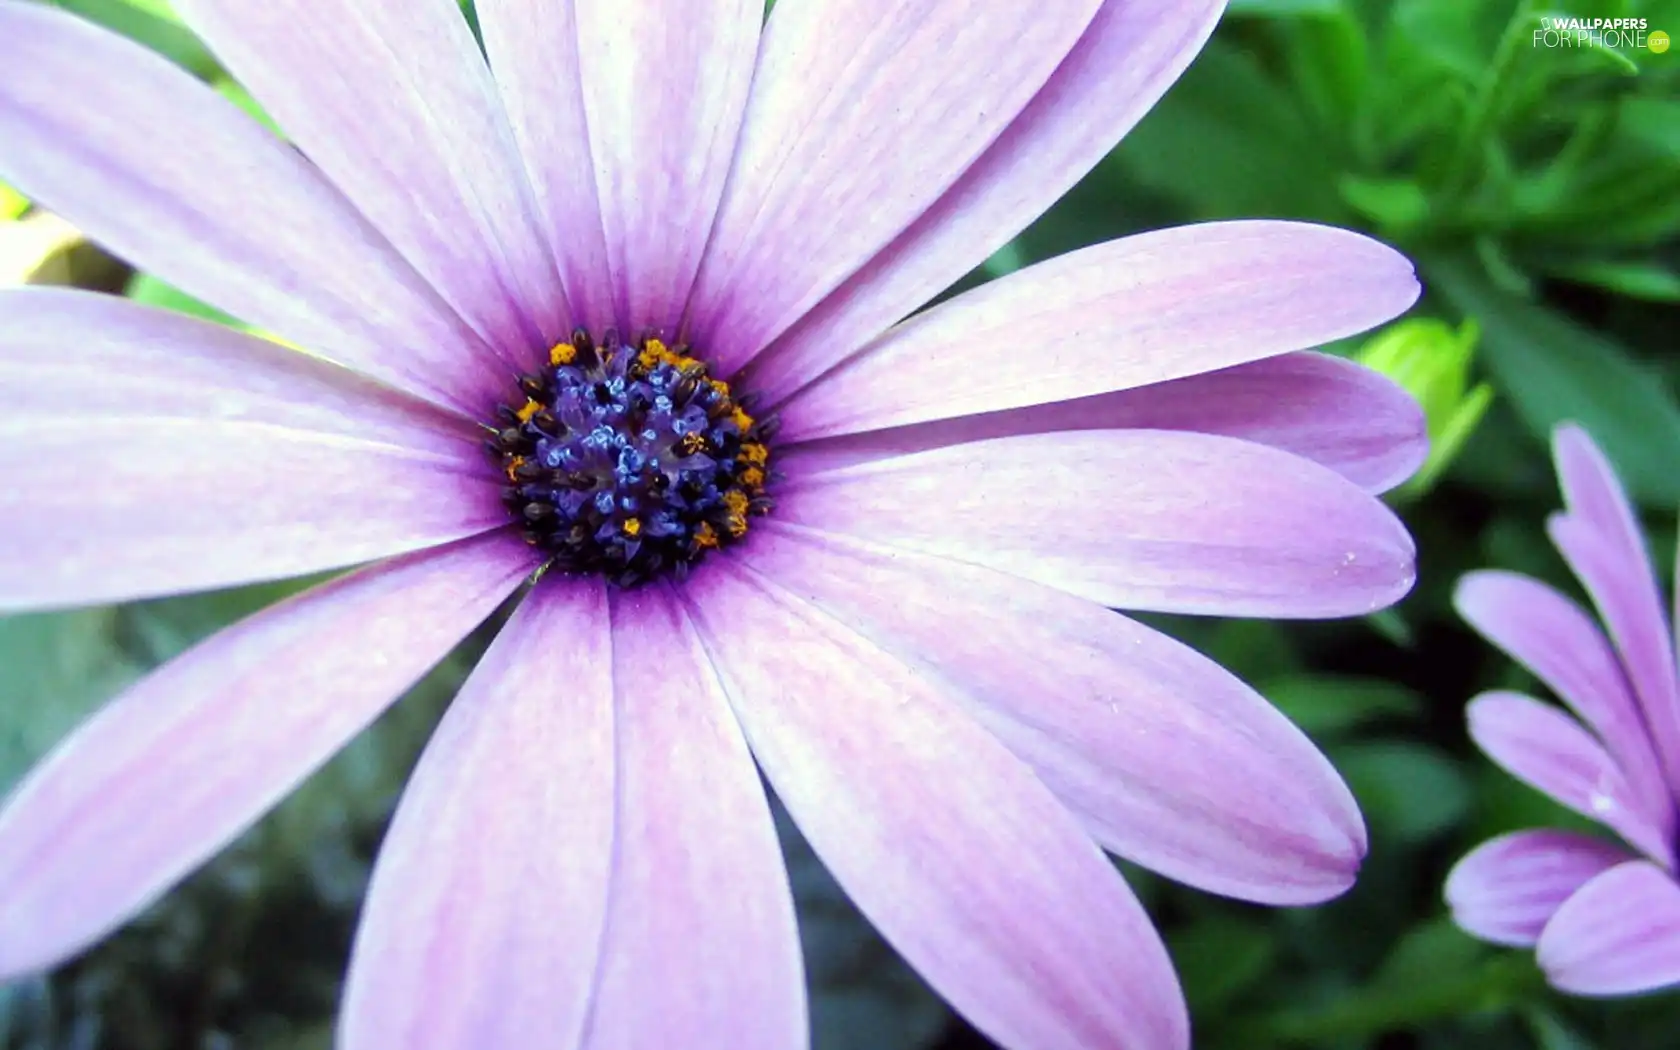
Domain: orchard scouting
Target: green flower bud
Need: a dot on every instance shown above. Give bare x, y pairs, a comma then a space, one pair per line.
1432, 361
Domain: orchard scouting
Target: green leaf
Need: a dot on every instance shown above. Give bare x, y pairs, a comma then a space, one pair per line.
144, 288
1229, 142
55, 669
1429, 952
1654, 121
1325, 705
1636, 280
1327, 59
234, 92
151, 23
1552, 1033
1409, 792
1397, 204
1218, 958
1283, 8
1553, 370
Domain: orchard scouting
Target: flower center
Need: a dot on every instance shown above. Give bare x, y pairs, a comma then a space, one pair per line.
629, 460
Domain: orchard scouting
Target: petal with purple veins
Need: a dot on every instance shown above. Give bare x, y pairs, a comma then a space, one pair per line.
191, 755
947, 842
1166, 757
1130, 54
1134, 519
1318, 407
1508, 888
1135, 311
819, 183
1618, 935
1546, 749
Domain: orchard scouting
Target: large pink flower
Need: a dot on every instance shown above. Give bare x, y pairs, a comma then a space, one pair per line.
1605, 917
903, 621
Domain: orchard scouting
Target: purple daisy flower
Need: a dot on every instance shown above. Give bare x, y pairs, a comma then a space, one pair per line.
608, 315
1605, 916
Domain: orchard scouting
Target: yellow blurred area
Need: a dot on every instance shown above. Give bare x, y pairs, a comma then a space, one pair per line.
38, 247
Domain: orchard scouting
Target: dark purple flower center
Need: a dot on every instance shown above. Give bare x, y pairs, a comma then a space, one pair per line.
629, 460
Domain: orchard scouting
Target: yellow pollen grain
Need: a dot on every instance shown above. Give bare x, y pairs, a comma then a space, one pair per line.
562, 354
705, 535
753, 454
632, 526
513, 465
654, 353
737, 525
742, 420
691, 444
752, 479
719, 387
735, 501
531, 408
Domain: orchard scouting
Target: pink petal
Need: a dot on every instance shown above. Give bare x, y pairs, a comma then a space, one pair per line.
665, 86
701, 946
487, 904
218, 207
533, 50
1128, 313
1620, 935
392, 100
147, 453
1127, 58
182, 762
1506, 889
862, 115
67, 353
1601, 540
1135, 519
1552, 636
1545, 748
1322, 408
1168, 759
951, 846
596, 868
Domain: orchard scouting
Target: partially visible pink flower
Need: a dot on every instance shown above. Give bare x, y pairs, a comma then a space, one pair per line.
912, 642
1605, 915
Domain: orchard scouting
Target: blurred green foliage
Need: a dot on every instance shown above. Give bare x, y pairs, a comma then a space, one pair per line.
1537, 188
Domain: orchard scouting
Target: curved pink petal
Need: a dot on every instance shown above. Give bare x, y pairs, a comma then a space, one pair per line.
862, 115
1130, 54
220, 208
1619, 935
701, 948
1601, 539
200, 457
1135, 519
1167, 758
1506, 889
485, 913
1326, 409
1552, 636
1546, 749
665, 87
533, 50
946, 841
168, 772
393, 101
1124, 314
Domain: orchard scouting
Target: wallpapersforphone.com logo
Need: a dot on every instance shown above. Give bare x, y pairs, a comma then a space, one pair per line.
1600, 32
